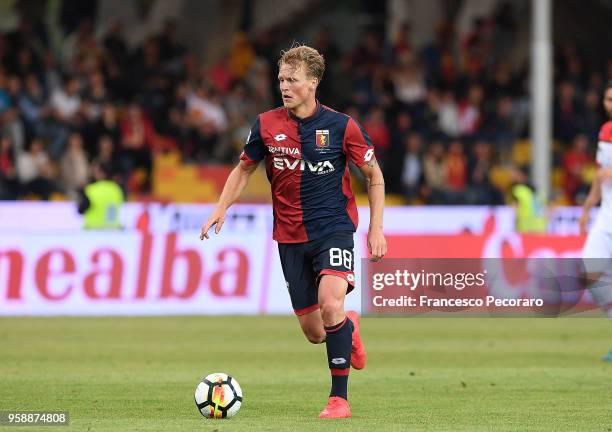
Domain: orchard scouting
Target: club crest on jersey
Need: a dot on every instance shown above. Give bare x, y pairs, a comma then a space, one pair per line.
322, 138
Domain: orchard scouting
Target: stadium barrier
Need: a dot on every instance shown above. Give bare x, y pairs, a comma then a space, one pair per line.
157, 265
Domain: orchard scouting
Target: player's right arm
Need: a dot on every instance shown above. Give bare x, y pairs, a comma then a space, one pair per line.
254, 151
591, 201
234, 185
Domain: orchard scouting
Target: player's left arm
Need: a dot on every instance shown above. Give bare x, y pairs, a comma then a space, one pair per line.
591, 201
360, 151
377, 244
604, 174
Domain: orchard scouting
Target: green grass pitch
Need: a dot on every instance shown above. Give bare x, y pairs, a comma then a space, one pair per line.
133, 374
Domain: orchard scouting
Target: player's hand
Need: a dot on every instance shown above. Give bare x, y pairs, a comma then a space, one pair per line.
377, 244
583, 222
216, 219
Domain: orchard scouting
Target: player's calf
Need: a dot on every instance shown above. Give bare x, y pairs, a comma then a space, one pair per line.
312, 326
338, 346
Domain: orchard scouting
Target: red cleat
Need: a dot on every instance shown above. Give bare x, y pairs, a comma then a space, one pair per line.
358, 352
337, 407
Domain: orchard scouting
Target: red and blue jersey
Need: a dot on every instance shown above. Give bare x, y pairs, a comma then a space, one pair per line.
307, 165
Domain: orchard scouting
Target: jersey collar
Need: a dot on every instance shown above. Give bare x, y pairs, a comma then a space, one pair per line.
316, 113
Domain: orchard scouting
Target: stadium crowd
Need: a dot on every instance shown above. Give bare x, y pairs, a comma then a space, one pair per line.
443, 118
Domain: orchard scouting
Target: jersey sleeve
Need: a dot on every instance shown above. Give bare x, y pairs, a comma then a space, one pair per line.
357, 144
604, 146
254, 148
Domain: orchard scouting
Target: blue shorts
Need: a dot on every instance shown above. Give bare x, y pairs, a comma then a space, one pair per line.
304, 264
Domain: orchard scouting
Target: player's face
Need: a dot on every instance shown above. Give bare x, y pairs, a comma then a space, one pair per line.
607, 102
295, 86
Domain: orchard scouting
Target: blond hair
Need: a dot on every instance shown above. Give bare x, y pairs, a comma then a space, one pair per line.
302, 54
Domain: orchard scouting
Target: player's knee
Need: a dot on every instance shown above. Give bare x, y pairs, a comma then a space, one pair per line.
330, 309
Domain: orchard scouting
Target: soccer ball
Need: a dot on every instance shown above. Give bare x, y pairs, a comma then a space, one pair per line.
218, 396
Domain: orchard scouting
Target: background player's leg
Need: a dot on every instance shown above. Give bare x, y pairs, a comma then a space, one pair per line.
312, 326
597, 253
338, 329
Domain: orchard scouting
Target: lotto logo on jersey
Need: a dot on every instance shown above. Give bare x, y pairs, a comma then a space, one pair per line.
322, 138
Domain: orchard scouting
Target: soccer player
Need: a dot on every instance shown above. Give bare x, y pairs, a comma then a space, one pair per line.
599, 240
306, 147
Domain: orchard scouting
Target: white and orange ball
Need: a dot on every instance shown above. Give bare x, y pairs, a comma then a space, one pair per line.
218, 396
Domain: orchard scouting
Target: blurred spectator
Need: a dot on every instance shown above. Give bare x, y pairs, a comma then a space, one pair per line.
107, 125
74, 167
208, 120
408, 81
114, 43
481, 191
456, 169
95, 96
368, 52
430, 114
377, 129
74, 12
106, 153
438, 58
26, 63
221, 75
35, 172
475, 49
9, 113
137, 140
259, 82
566, 111
470, 111
170, 48
145, 67
436, 173
501, 126
324, 43
241, 110
577, 162
502, 83
238, 102
401, 44
66, 106
4, 52
448, 115
51, 78
76, 45
412, 169
393, 166
592, 117
241, 56
9, 185
33, 105
178, 127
